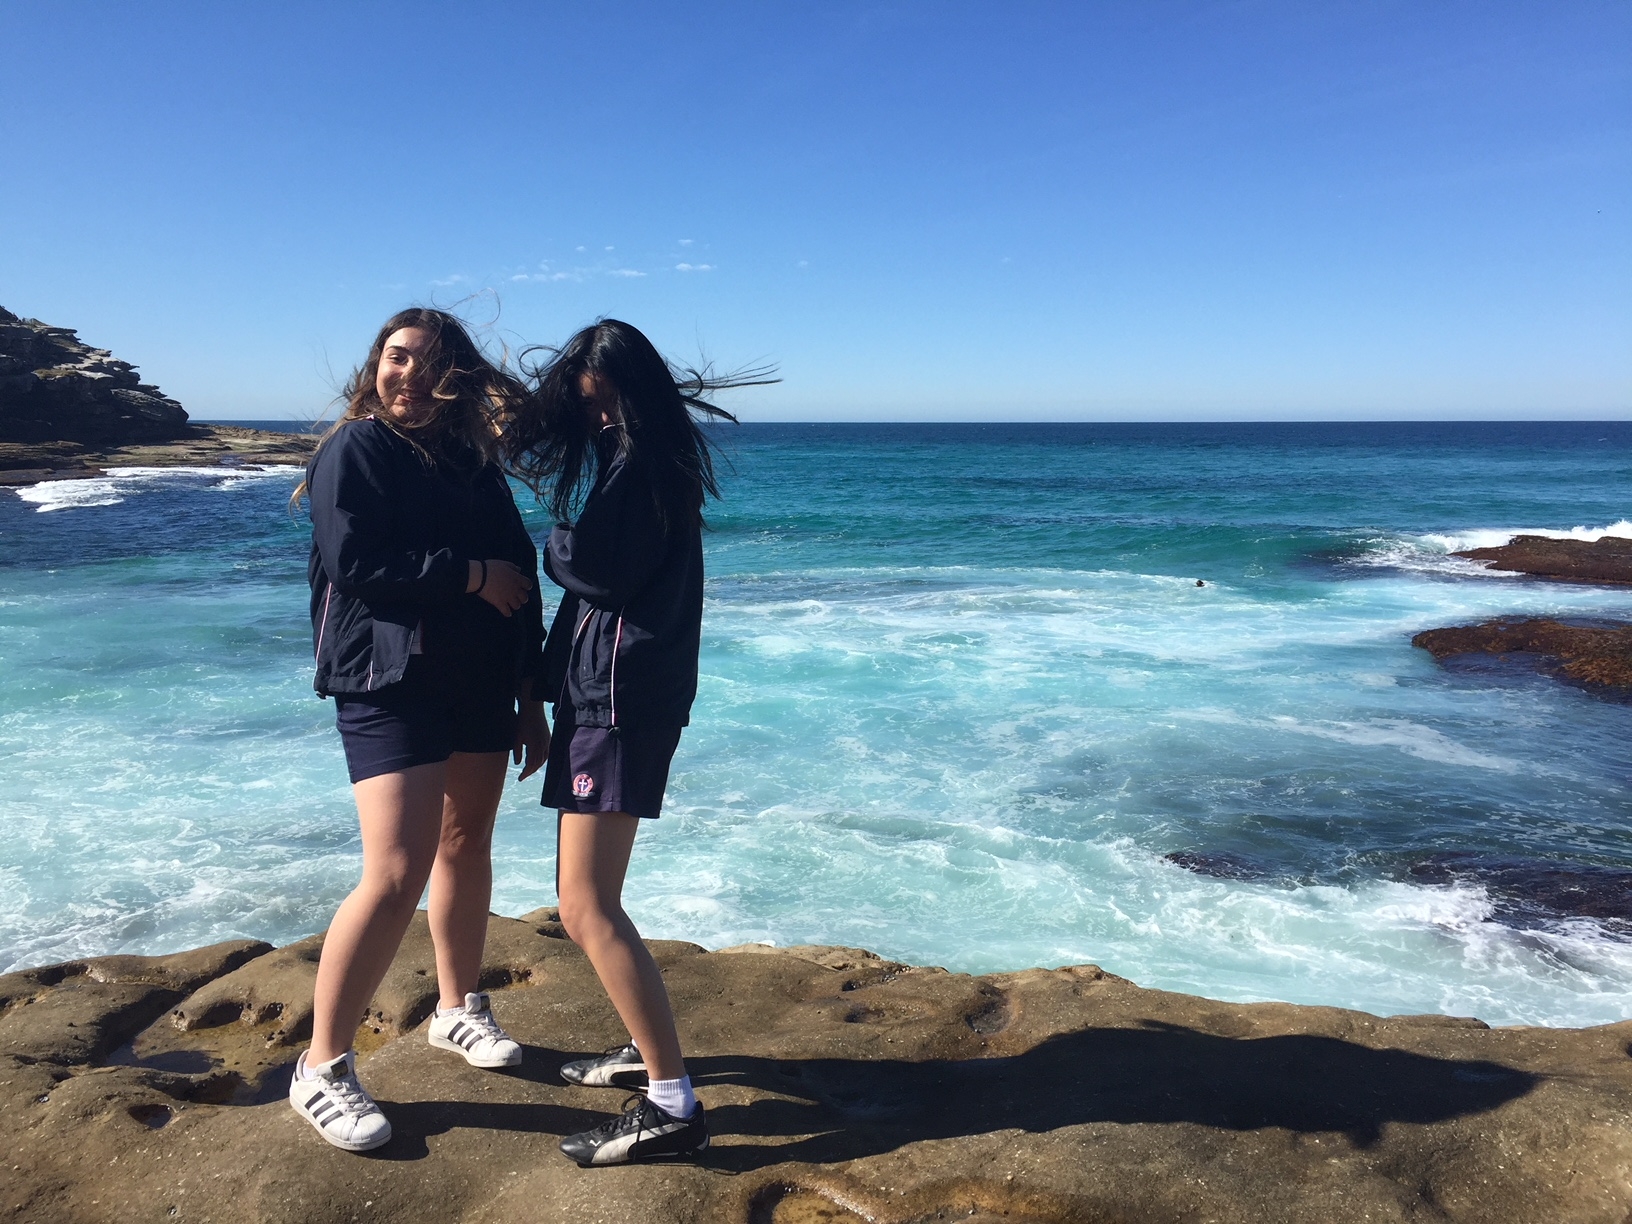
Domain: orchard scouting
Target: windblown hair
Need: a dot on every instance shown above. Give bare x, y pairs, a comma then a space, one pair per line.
551, 443
472, 398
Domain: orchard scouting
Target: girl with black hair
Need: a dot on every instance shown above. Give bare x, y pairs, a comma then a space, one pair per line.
429, 637
609, 431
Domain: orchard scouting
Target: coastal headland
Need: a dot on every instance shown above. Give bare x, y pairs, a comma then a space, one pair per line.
68, 410
841, 1087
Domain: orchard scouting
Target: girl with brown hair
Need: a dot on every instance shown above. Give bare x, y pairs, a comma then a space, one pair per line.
428, 634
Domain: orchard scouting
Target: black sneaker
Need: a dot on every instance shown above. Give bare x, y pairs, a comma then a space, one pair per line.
641, 1132
622, 1067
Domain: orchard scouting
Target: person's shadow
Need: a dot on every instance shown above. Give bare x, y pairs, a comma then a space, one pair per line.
824, 1110
848, 1108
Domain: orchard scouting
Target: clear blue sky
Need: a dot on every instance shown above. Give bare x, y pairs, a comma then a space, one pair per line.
1135, 210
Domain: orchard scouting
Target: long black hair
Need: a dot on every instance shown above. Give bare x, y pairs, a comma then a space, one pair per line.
551, 442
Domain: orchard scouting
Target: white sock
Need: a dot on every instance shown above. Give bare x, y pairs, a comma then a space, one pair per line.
674, 1097
461, 1008
302, 1071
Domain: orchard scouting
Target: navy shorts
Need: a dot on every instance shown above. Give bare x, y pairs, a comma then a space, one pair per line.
608, 769
424, 718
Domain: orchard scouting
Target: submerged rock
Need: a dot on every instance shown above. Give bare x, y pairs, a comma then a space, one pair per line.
1533, 888
839, 1087
1597, 655
56, 388
1608, 559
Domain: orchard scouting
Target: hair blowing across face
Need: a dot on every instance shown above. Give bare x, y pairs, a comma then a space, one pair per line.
552, 443
471, 397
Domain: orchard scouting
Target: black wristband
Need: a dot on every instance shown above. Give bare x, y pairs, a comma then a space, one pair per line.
483, 582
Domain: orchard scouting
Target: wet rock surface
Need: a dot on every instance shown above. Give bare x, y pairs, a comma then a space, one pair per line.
1596, 655
840, 1087
1532, 889
1608, 559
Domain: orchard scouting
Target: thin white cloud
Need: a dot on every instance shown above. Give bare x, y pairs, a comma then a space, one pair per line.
687, 267
685, 242
625, 272
458, 278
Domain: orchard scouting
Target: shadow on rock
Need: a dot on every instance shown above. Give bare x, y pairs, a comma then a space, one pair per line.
1158, 1074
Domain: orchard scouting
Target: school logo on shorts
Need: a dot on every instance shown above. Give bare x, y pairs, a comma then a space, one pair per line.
583, 786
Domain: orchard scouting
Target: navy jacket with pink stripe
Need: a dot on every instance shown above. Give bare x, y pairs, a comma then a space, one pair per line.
622, 649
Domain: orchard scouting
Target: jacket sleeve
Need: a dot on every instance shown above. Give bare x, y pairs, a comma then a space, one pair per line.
353, 528
615, 547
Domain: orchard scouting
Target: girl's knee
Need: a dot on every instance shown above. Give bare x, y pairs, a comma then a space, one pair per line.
586, 918
397, 886
460, 846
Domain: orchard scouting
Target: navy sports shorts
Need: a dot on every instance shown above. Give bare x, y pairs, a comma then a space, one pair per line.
608, 769
424, 718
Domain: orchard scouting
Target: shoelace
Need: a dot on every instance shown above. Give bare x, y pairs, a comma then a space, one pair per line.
484, 1020
631, 1105
349, 1095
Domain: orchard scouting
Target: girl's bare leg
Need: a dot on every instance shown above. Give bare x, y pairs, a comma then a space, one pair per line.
593, 855
400, 815
462, 877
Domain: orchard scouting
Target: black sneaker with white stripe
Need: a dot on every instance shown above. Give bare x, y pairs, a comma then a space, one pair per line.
620, 1067
641, 1132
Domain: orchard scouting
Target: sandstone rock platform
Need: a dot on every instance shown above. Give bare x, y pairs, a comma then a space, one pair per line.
198, 445
1607, 559
840, 1087
1593, 655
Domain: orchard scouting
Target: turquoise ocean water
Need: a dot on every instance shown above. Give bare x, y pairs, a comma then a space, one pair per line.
961, 700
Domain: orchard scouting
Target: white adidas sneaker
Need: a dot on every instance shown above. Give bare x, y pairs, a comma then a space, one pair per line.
337, 1105
471, 1030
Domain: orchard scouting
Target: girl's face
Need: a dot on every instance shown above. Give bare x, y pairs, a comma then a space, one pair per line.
402, 382
600, 400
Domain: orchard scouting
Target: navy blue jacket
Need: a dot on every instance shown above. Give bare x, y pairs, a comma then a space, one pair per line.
622, 650
392, 539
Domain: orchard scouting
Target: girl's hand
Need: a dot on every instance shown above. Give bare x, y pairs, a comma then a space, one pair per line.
532, 744
505, 587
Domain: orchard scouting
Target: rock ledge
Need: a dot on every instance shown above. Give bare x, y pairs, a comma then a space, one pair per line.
840, 1086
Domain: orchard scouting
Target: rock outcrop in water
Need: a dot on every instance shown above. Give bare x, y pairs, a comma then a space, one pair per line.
68, 410
1607, 559
56, 388
1598, 656
841, 1087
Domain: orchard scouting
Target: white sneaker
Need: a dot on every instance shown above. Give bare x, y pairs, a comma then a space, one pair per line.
471, 1030
337, 1105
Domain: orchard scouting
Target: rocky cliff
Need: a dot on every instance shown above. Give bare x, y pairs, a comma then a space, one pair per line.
841, 1087
56, 388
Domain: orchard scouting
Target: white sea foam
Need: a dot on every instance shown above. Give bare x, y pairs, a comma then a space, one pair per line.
119, 483
1431, 552
1461, 541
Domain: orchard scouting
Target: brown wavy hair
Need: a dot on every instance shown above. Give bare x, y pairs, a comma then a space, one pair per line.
473, 398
